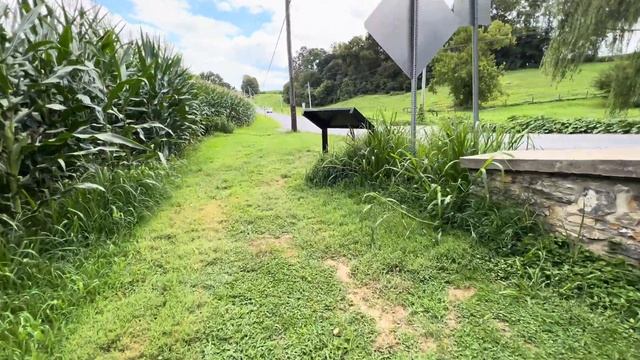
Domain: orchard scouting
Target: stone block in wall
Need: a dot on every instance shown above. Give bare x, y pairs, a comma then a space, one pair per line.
602, 212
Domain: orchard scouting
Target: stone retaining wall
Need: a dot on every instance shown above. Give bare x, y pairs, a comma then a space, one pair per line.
602, 212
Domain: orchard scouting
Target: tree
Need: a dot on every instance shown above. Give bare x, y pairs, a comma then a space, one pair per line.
532, 27
452, 67
308, 59
250, 85
584, 25
215, 79
354, 68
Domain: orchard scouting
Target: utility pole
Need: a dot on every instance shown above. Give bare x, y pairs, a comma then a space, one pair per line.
476, 62
309, 91
292, 90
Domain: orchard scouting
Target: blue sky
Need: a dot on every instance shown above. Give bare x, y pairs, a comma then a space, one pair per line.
242, 18
237, 37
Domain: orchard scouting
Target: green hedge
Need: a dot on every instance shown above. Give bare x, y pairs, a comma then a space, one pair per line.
548, 125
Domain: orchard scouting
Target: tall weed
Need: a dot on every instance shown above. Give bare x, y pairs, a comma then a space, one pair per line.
433, 189
431, 184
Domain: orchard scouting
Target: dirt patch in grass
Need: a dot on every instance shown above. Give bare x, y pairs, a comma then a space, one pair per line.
269, 245
456, 296
503, 327
452, 320
428, 345
279, 183
390, 319
211, 215
343, 272
132, 350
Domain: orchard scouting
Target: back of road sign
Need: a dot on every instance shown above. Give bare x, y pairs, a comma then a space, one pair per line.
437, 21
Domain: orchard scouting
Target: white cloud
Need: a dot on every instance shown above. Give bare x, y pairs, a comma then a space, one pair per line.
219, 45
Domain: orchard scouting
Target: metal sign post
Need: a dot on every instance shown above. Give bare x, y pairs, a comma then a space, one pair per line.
431, 24
476, 63
414, 73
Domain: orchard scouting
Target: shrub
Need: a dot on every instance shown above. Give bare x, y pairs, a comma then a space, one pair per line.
452, 66
547, 125
622, 95
431, 184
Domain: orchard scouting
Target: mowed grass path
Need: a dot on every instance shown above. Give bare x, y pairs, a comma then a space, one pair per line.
245, 261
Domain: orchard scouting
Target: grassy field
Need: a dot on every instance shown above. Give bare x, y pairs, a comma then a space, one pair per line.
519, 86
273, 101
246, 261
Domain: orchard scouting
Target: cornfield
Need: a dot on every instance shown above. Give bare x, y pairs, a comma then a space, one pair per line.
88, 122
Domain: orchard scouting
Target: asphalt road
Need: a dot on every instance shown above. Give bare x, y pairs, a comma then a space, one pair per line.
541, 141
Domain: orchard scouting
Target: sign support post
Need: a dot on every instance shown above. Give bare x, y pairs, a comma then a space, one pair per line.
414, 73
476, 63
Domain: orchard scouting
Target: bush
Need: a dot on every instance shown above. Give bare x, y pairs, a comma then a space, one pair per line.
431, 184
452, 66
613, 82
547, 125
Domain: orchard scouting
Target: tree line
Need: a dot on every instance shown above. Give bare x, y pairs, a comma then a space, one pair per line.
250, 85
521, 34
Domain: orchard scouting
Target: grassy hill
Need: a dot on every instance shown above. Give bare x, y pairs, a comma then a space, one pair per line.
525, 92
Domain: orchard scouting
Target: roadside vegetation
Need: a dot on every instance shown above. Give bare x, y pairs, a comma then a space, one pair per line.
431, 188
246, 260
545, 125
146, 212
90, 126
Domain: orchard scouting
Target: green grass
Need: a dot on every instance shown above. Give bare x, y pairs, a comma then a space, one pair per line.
273, 101
519, 86
233, 266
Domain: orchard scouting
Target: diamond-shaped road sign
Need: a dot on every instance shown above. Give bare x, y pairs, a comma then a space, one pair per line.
437, 21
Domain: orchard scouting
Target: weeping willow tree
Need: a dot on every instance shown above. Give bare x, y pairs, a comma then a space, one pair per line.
584, 25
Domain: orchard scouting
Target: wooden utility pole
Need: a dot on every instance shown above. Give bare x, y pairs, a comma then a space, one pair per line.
292, 90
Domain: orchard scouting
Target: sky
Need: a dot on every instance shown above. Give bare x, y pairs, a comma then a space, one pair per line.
237, 37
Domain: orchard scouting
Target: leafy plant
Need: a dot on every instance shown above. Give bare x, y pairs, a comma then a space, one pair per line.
452, 67
431, 184
622, 94
547, 125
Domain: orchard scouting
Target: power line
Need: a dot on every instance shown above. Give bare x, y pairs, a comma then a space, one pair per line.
264, 83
